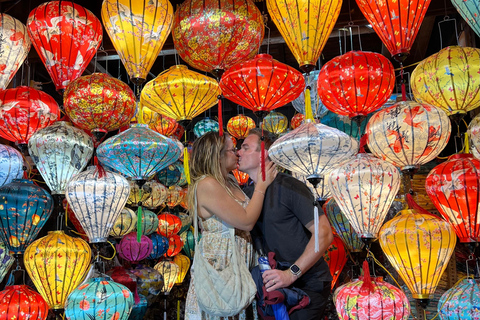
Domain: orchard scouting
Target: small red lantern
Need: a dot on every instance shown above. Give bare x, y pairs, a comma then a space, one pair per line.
239, 126
175, 245
22, 303
336, 257
241, 177
297, 120
168, 224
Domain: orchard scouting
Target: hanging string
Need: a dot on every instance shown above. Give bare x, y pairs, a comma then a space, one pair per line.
262, 154
220, 116
114, 252
404, 93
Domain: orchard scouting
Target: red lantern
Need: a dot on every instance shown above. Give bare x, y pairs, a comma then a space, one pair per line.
24, 111
241, 177
336, 257
239, 126
168, 224
297, 120
454, 187
128, 279
175, 245
356, 83
66, 37
179, 131
22, 303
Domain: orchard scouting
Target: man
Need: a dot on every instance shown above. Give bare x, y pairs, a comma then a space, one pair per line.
286, 227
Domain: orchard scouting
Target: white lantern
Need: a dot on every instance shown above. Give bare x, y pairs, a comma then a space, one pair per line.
321, 191
157, 196
11, 164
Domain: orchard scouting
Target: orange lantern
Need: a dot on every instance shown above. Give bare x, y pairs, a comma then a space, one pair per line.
239, 126
175, 245
297, 120
336, 257
241, 177
168, 224
159, 122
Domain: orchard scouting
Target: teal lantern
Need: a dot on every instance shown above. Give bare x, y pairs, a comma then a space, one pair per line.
6, 260
186, 221
149, 222
470, 11
188, 243
344, 123
160, 246
203, 126
170, 175
461, 302
11, 164
24, 209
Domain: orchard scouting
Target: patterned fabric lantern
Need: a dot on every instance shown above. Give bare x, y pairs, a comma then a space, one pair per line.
99, 103
174, 196
22, 303
139, 309
179, 131
149, 280
408, 239
138, 30
396, 22
186, 221
125, 223
47, 253
214, 35
24, 209
126, 278
262, 83
336, 257
138, 194
203, 126
297, 121
365, 188
345, 124
188, 241
6, 261
275, 122
157, 196
170, 175
184, 202
59, 152
11, 164
158, 122
15, 47
169, 271
97, 200
183, 263
183, 177
408, 134
454, 188
168, 224
160, 246
149, 222
99, 296
321, 191
474, 136
460, 302
239, 126
470, 12
447, 79
175, 245
305, 26
132, 250
66, 37
318, 108
23, 111
356, 83
241, 177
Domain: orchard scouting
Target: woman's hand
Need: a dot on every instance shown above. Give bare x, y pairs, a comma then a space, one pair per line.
270, 174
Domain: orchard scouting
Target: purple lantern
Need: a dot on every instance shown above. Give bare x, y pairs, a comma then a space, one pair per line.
132, 250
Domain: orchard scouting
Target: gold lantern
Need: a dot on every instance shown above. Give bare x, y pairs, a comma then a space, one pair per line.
157, 196
183, 263
169, 271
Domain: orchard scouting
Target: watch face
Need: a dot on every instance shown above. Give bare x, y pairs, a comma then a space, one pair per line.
294, 268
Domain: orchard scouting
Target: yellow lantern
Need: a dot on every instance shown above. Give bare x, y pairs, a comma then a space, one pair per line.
138, 29
449, 79
419, 246
138, 194
305, 25
57, 264
275, 122
157, 196
169, 271
183, 263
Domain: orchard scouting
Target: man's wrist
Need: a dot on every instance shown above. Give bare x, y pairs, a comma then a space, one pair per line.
295, 271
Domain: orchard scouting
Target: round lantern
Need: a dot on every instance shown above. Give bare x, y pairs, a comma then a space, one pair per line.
419, 247
460, 302
364, 188
139, 309
275, 122
11, 164
297, 121
59, 152
447, 79
125, 223
69, 258
97, 197
149, 222
6, 260
170, 175
149, 281
138, 194
99, 103
157, 196
336, 257
470, 12
160, 246
318, 108
454, 188
321, 190
15, 47
183, 263
203, 126
214, 35
99, 296
174, 196
158, 122
132, 250
408, 134
345, 124
19, 302
188, 241
242, 177
169, 271
175, 245
474, 136
24, 209
23, 111
168, 224
239, 126
138, 30
126, 278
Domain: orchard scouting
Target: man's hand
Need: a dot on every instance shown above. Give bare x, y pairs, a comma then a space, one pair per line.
277, 279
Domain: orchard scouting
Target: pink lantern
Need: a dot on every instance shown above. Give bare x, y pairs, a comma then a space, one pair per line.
132, 250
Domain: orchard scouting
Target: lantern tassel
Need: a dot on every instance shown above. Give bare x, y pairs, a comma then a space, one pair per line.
368, 286
139, 222
220, 116
308, 105
413, 205
262, 158
186, 166
100, 168
466, 144
315, 223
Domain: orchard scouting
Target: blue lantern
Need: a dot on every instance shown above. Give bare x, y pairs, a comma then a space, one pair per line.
139, 309
160, 246
6, 260
24, 209
461, 301
11, 164
171, 175
343, 123
203, 126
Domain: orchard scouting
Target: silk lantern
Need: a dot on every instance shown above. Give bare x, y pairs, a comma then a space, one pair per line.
69, 258
305, 26
345, 124
408, 134
19, 302
460, 302
175, 245
419, 246
11, 164
59, 152
188, 241
470, 12
239, 126
242, 177
125, 223
157, 196
99, 298
24, 210
174, 196
66, 36
168, 224
126, 278
138, 194
139, 309
132, 250
170, 175
150, 282
447, 79
474, 136
183, 263
203, 126
297, 121
6, 260
160, 246
97, 197
318, 108
138, 30
275, 122
364, 188
169, 271
336, 257
149, 222
186, 219
158, 122
15, 47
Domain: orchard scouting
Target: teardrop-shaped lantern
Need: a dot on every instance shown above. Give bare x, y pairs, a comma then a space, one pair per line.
169, 271
24, 209
448, 79
183, 263
180, 93
132, 250
59, 152
160, 246
336, 257
474, 136
203, 126
125, 223
239, 126
365, 188
138, 29
470, 12
419, 247
97, 200
6, 260
460, 302
19, 302
321, 191
69, 258
318, 108
275, 122
157, 196
11, 164
345, 124
66, 36
408, 134
15, 47
149, 222
158, 122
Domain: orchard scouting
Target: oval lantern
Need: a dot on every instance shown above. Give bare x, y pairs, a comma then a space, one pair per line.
160, 246
183, 263
242, 177
188, 241
99, 298
97, 199
15, 47
170, 175
6, 260
168, 224
125, 223
149, 222
336, 257
447, 79
318, 108
149, 281
345, 124
24, 210
59, 152
408, 134
19, 302
47, 253
66, 36
460, 302
157, 196
175, 245
138, 30
297, 120
174, 196
203, 126
132, 250
239, 126
470, 12
158, 122
11, 164
275, 122
169, 271
321, 191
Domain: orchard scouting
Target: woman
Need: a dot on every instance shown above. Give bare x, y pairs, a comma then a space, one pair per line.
220, 204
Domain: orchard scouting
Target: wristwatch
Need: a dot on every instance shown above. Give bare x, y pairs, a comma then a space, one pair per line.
295, 270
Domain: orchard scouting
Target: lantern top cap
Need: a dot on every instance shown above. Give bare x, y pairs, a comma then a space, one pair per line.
264, 56
56, 232
461, 156
99, 279
178, 66
138, 125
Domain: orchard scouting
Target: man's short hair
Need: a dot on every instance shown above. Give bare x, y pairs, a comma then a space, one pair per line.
268, 137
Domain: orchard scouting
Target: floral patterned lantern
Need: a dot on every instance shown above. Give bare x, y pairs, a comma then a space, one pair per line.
97, 197
318, 108
23, 111
321, 191
175, 245
242, 177
149, 222
188, 241
157, 196
132, 250
239, 126
169, 271
160, 246
205, 125
59, 152
174, 196
48, 253
183, 263
22, 303
168, 224
99, 297
345, 124
125, 223
275, 122
365, 188
11, 164
336, 257
138, 30
158, 122
470, 12
15, 47
408, 239
24, 209
138, 194
297, 121
461, 301
149, 280
66, 37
